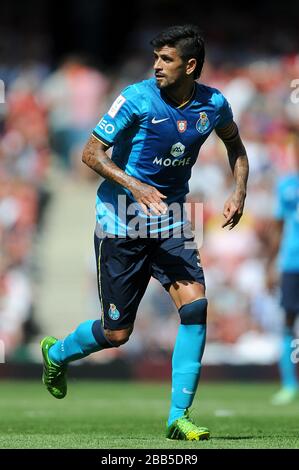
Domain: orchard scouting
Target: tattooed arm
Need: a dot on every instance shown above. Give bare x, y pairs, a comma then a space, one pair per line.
233, 208
94, 156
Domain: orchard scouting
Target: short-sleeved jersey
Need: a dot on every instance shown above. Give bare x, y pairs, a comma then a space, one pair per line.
287, 209
156, 142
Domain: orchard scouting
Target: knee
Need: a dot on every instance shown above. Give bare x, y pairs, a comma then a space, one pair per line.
118, 337
194, 313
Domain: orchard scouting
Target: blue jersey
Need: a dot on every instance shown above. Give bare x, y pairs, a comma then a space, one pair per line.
156, 142
288, 210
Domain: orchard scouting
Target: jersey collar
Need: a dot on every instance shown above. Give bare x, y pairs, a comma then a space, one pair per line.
174, 104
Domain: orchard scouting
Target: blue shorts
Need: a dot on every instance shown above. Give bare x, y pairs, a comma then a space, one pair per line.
125, 266
290, 292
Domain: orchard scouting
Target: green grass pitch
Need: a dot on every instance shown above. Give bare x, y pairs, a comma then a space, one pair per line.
132, 415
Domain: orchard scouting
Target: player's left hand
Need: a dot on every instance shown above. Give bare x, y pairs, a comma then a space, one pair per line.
233, 209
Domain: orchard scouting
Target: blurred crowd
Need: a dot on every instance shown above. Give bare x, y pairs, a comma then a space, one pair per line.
47, 117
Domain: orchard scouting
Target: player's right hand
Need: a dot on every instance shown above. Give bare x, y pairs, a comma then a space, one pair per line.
149, 198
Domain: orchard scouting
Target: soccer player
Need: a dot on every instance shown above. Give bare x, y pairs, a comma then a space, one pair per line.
156, 128
285, 244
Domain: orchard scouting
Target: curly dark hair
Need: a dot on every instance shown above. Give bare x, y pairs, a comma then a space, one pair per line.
187, 39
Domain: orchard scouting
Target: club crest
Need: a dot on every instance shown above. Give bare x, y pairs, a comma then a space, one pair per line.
182, 126
202, 123
113, 312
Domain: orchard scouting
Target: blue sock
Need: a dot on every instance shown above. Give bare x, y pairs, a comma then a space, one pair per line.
87, 338
186, 367
286, 367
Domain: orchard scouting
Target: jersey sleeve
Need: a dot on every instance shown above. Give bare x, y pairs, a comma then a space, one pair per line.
225, 112
125, 109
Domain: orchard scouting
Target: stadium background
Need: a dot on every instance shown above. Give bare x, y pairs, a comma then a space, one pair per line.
62, 64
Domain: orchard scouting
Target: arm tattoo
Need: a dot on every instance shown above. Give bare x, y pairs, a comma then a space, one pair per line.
236, 154
95, 157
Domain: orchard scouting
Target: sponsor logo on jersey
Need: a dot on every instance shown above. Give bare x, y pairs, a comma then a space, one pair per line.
116, 105
113, 312
172, 161
106, 126
202, 123
177, 150
182, 126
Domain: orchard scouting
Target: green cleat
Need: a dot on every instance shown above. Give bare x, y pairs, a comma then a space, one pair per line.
284, 396
54, 375
185, 430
